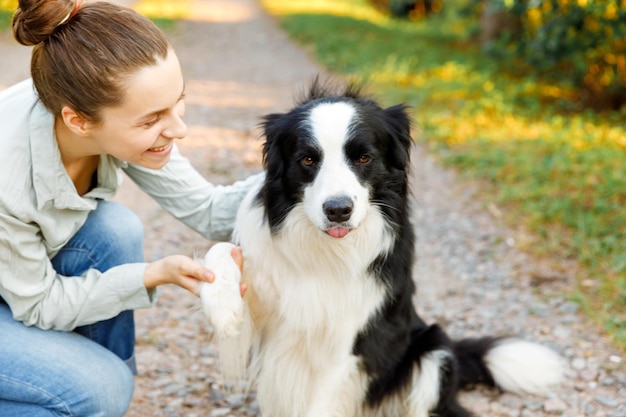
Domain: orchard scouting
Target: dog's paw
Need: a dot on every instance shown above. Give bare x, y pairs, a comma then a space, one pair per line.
221, 300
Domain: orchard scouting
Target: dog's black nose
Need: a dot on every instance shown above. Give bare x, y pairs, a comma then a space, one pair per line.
338, 209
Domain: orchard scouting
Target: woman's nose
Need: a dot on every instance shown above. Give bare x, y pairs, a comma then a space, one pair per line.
177, 128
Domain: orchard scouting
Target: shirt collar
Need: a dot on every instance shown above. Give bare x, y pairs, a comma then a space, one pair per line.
50, 180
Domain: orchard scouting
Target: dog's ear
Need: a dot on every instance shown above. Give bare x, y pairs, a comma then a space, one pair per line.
273, 129
398, 126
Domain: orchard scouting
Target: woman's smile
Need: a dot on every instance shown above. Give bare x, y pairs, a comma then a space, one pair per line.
161, 149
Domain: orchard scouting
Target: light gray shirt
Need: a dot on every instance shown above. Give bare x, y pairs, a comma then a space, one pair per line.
40, 211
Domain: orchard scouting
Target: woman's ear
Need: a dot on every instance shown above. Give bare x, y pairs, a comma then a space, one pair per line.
76, 123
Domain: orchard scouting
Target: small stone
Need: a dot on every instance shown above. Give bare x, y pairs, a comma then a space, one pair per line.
235, 400
161, 382
533, 405
220, 412
569, 307
175, 403
193, 402
619, 412
580, 386
554, 405
173, 389
607, 402
588, 374
561, 332
607, 381
216, 396
510, 401
590, 409
579, 363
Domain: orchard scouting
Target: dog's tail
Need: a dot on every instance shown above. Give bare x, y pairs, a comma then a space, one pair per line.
510, 364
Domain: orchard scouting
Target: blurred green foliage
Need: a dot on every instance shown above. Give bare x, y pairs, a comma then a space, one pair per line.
412, 9
576, 43
7, 8
154, 9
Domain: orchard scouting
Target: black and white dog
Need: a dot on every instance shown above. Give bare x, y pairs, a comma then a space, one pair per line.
328, 327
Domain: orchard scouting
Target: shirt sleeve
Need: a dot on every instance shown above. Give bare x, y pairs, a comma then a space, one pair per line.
38, 296
184, 193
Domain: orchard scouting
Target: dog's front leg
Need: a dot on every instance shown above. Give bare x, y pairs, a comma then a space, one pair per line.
340, 392
221, 300
226, 311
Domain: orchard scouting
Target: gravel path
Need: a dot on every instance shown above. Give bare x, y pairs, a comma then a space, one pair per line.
471, 278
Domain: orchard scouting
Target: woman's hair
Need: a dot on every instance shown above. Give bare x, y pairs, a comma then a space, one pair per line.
83, 56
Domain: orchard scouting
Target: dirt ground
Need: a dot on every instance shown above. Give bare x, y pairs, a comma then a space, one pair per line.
471, 276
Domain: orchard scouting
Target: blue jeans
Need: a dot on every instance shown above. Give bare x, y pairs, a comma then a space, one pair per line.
88, 372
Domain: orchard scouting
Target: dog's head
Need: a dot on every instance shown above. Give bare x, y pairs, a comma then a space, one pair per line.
338, 155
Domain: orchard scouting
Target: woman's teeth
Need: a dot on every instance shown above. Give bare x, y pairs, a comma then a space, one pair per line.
159, 148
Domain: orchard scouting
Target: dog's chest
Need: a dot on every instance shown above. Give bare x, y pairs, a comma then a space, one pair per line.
306, 346
320, 303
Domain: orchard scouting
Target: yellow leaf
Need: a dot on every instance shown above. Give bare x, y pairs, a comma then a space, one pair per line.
611, 12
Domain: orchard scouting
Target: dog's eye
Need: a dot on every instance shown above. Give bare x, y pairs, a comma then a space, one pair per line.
308, 161
364, 159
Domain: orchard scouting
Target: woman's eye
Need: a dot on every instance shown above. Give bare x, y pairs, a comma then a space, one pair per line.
364, 159
308, 161
151, 122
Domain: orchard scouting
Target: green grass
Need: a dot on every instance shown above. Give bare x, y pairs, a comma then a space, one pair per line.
164, 14
7, 8
557, 173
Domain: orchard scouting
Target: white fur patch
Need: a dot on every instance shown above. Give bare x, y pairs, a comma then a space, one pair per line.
221, 300
330, 125
425, 394
225, 310
524, 367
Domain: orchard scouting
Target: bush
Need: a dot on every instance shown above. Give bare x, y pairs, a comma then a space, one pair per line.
412, 9
7, 8
579, 42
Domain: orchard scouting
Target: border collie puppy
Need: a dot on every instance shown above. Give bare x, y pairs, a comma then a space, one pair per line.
327, 327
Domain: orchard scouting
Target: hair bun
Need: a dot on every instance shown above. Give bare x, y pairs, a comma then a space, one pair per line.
35, 20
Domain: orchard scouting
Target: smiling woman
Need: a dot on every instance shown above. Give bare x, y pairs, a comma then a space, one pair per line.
143, 127
106, 95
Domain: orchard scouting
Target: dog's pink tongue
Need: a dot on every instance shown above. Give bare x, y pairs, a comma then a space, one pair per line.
338, 232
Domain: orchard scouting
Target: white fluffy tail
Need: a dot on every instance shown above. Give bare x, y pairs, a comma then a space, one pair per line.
226, 312
524, 367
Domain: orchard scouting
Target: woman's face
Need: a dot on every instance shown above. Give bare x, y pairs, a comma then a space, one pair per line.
142, 129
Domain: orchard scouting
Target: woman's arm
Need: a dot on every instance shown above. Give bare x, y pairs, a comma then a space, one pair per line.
38, 296
206, 208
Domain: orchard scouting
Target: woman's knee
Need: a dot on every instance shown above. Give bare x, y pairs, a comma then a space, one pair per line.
112, 235
102, 393
118, 224
59, 372
105, 393
109, 393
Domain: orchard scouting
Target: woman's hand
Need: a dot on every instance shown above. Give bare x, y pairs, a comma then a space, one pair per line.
237, 255
178, 270
185, 272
